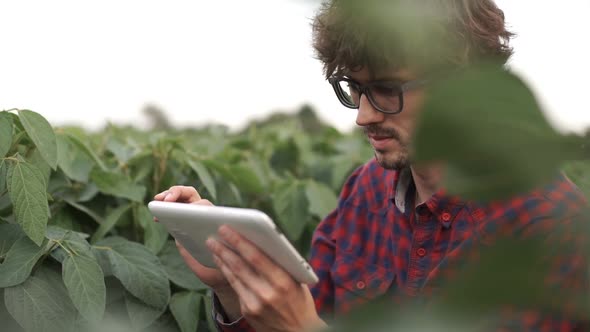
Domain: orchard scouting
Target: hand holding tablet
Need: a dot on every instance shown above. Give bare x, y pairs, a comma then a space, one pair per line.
192, 225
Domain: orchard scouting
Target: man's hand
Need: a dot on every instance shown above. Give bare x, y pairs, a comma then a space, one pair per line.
211, 277
269, 298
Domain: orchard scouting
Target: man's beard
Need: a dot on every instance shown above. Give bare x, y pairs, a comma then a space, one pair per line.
401, 159
397, 163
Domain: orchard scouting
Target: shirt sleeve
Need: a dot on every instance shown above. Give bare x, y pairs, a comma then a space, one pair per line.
221, 321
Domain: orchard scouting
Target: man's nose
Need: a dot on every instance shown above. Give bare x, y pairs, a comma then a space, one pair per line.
367, 114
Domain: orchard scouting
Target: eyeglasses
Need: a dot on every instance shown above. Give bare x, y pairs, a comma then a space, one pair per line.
385, 96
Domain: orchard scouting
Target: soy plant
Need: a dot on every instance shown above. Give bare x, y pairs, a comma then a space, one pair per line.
78, 247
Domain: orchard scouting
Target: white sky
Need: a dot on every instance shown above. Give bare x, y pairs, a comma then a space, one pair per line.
87, 62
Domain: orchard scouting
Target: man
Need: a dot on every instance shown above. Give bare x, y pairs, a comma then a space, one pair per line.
395, 231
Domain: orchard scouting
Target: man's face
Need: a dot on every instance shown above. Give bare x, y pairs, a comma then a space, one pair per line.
389, 134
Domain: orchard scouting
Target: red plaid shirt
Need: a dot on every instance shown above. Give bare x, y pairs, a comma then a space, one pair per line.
378, 243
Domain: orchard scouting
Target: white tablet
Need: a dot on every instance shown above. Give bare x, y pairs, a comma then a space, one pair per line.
192, 225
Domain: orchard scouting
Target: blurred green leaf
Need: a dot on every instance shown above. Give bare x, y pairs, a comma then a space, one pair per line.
141, 314
487, 125
321, 198
28, 194
138, 270
72, 160
285, 157
185, 306
5, 133
39, 307
291, 207
118, 185
204, 176
155, 234
41, 133
4, 164
579, 173
89, 151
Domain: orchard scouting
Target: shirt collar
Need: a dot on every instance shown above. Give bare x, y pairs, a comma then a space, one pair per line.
442, 205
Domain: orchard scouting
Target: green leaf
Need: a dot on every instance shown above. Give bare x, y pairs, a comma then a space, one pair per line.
19, 262
204, 176
118, 185
141, 314
41, 133
185, 306
177, 270
3, 175
155, 234
321, 198
291, 207
84, 280
246, 179
286, 156
480, 121
123, 152
111, 220
89, 151
9, 234
86, 210
37, 159
139, 271
5, 133
28, 194
39, 307
72, 160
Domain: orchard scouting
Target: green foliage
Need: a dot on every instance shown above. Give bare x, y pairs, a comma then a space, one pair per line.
79, 249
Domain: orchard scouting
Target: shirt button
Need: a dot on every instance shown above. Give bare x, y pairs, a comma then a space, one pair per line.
360, 285
446, 216
421, 252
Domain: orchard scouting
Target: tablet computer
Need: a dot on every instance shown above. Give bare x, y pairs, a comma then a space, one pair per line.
192, 225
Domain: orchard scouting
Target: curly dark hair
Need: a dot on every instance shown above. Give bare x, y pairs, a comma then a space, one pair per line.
391, 34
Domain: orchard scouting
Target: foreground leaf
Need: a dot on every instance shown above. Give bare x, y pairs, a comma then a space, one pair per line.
118, 185
486, 124
19, 262
28, 194
138, 270
41, 133
185, 307
5, 133
84, 280
39, 307
177, 270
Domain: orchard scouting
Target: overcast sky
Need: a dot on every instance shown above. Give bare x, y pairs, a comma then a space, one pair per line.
87, 62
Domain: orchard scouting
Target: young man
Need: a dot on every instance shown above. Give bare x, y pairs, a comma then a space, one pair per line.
395, 232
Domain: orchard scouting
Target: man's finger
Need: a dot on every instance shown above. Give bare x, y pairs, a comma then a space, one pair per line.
248, 299
183, 194
255, 258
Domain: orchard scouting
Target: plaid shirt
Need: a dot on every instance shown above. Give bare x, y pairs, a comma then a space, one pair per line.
378, 243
